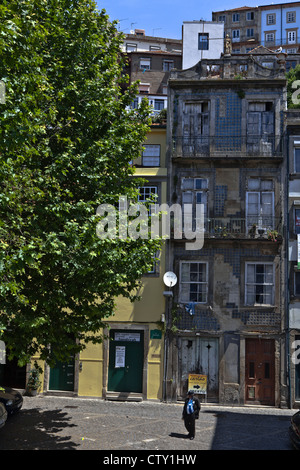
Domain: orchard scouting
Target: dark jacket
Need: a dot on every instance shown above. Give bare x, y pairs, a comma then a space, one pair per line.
196, 406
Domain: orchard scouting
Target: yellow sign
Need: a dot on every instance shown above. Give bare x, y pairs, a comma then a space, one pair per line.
198, 383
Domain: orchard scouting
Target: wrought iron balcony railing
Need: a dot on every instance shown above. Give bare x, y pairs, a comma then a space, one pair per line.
221, 146
258, 227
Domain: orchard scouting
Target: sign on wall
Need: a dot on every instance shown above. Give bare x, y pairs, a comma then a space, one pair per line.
198, 383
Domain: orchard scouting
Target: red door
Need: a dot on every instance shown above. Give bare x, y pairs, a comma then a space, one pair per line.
260, 371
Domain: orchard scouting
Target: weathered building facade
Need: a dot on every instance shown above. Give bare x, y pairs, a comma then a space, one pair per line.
293, 242
225, 141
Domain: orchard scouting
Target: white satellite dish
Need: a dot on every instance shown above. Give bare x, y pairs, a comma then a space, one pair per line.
170, 279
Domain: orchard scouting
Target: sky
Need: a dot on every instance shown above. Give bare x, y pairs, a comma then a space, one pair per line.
164, 18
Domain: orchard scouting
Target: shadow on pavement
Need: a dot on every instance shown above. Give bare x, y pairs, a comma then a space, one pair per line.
37, 430
250, 431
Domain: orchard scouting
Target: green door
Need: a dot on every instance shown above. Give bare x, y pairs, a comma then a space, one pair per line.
126, 357
62, 376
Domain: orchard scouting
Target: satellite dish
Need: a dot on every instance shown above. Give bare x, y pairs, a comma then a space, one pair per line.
170, 279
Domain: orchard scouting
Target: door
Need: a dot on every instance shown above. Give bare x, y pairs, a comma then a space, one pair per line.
199, 356
62, 376
126, 359
260, 371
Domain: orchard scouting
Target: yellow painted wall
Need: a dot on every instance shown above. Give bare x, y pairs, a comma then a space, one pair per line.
90, 381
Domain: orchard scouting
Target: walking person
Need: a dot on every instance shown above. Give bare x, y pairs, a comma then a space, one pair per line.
190, 413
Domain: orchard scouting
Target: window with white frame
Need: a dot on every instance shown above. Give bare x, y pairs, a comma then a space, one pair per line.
297, 160
250, 32
260, 285
271, 18
250, 15
235, 17
292, 37
131, 47
145, 64
148, 194
260, 203
222, 18
269, 37
151, 155
291, 17
193, 282
235, 35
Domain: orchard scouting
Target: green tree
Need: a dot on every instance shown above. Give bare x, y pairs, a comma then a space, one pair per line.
66, 142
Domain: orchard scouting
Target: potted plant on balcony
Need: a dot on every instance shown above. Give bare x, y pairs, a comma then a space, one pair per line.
273, 235
33, 383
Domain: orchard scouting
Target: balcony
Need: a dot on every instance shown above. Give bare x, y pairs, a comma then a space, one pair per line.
254, 227
227, 146
267, 228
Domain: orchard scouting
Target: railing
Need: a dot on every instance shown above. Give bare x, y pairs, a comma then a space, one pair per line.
255, 227
220, 146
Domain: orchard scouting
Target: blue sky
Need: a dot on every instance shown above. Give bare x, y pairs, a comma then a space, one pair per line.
165, 17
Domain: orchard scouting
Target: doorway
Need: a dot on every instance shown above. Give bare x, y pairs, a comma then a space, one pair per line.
260, 371
126, 359
62, 376
199, 356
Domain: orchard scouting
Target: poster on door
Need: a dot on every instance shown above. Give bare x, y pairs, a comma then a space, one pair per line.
120, 356
198, 383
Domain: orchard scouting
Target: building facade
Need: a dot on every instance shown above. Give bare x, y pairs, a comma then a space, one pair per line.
242, 25
201, 40
293, 241
280, 26
225, 148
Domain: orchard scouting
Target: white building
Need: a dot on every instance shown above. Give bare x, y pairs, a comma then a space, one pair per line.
201, 40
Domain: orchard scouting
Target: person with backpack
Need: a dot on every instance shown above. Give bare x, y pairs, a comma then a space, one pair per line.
190, 413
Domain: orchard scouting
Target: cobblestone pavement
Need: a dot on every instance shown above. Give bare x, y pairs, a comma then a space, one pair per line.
59, 423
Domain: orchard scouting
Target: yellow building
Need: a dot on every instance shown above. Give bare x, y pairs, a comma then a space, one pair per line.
130, 362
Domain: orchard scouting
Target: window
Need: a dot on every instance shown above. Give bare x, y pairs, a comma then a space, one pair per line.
250, 32
193, 282
291, 17
235, 17
168, 65
145, 64
260, 128
297, 220
271, 18
292, 37
297, 160
195, 127
250, 15
130, 47
159, 105
222, 18
297, 283
235, 35
147, 192
151, 155
269, 37
259, 284
194, 191
203, 41
260, 204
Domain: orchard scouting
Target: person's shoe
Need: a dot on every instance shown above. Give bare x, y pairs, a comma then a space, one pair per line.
191, 438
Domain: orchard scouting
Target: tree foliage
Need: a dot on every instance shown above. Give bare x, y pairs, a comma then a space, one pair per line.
67, 139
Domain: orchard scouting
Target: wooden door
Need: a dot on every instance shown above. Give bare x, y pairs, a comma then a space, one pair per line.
260, 371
